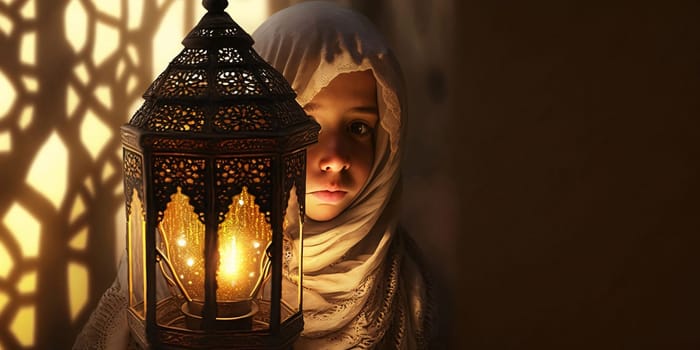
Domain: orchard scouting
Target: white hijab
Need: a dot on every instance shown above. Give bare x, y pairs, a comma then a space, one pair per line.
349, 271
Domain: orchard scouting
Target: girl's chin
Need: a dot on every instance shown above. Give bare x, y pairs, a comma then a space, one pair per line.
322, 211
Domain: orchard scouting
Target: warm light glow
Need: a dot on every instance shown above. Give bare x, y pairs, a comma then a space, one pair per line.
106, 42
136, 240
135, 14
89, 186
103, 94
81, 73
72, 101
109, 8
77, 288
77, 209
5, 141
5, 25
229, 260
75, 24
29, 10
23, 326
94, 134
239, 266
107, 172
28, 48
243, 227
30, 83
49, 171
27, 284
171, 27
24, 228
79, 242
26, 118
7, 91
180, 223
5, 262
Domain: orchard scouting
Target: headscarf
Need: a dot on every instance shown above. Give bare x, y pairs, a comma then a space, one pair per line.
350, 263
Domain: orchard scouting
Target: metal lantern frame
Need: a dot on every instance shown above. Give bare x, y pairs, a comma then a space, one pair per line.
218, 121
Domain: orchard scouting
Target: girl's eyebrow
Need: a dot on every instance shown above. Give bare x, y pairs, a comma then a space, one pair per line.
365, 109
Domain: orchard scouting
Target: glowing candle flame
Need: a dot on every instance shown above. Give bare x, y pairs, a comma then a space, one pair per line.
230, 259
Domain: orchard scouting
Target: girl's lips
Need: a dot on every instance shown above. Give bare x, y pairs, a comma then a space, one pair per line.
329, 196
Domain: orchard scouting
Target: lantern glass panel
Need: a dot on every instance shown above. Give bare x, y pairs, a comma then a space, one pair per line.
291, 260
136, 227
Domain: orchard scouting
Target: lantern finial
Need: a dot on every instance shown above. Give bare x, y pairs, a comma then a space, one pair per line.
215, 5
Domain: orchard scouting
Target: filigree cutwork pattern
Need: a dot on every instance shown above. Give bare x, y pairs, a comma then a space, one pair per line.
176, 118
212, 33
240, 83
274, 82
295, 174
133, 177
184, 83
171, 172
141, 115
192, 57
242, 117
233, 173
229, 55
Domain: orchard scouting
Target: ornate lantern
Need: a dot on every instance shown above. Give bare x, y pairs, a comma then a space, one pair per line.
214, 177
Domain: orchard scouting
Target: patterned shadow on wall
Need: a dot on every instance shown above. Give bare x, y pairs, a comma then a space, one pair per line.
71, 73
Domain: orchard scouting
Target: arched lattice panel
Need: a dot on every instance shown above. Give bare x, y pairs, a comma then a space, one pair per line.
71, 73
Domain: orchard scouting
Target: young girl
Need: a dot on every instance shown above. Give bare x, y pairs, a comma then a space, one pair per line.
362, 285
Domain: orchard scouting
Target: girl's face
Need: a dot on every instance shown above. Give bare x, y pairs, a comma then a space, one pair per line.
339, 164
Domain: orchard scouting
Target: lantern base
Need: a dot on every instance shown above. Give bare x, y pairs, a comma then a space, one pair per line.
235, 315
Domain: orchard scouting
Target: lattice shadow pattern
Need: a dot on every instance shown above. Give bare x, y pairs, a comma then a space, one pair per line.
69, 72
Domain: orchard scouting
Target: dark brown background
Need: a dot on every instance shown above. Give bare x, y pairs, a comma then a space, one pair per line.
575, 147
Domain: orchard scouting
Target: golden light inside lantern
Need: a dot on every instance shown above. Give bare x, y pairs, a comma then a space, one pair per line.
243, 237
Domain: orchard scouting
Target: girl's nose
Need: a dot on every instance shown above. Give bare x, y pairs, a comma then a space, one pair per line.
334, 155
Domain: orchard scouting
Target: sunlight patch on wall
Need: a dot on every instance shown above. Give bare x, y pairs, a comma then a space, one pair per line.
106, 42
79, 242
103, 94
109, 8
78, 209
49, 172
28, 48
7, 91
107, 172
81, 73
72, 101
5, 25
94, 134
5, 142
135, 15
5, 261
75, 24
25, 228
30, 83
26, 117
166, 42
23, 326
77, 288
27, 284
29, 10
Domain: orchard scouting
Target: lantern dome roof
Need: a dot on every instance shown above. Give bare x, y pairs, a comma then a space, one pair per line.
219, 87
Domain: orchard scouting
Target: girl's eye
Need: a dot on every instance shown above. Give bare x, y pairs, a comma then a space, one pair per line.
359, 128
